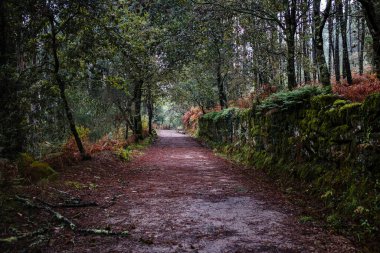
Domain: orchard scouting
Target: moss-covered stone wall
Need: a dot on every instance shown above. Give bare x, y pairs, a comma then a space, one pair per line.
329, 145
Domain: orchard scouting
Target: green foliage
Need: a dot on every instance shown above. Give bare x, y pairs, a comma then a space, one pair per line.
24, 161
289, 99
168, 115
41, 170
124, 154
75, 184
306, 219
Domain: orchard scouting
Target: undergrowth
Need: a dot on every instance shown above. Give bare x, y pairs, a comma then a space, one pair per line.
285, 100
362, 87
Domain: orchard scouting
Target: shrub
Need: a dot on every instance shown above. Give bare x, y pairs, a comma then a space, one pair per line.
40, 170
124, 154
362, 87
190, 119
287, 99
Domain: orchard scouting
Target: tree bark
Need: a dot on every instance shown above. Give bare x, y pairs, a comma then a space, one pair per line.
150, 108
126, 130
62, 86
305, 50
372, 11
12, 113
290, 30
137, 95
220, 84
337, 48
343, 26
314, 48
331, 44
361, 33
319, 25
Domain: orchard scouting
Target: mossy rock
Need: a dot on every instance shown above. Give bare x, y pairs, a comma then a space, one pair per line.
350, 108
322, 101
334, 117
371, 112
41, 170
340, 133
340, 102
371, 105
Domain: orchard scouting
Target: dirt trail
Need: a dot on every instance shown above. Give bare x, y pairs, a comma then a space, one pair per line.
180, 197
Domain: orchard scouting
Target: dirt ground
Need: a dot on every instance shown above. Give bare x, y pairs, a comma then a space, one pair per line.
176, 197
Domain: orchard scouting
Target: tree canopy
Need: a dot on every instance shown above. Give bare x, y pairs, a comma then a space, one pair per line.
123, 64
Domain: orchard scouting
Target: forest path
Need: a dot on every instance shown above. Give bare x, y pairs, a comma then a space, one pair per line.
180, 197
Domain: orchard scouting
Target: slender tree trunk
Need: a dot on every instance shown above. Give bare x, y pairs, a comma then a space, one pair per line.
337, 47
137, 124
320, 21
126, 130
372, 11
290, 27
305, 50
361, 33
61, 85
348, 17
149, 105
220, 84
314, 49
306, 68
331, 44
346, 60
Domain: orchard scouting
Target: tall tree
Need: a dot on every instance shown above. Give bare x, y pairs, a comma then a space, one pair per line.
305, 47
290, 31
66, 13
372, 12
287, 15
331, 43
337, 45
361, 40
12, 114
343, 27
320, 21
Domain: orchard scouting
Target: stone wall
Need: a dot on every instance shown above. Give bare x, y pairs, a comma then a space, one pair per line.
326, 144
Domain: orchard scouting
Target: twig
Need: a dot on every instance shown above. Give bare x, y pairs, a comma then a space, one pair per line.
62, 192
102, 232
69, 223
13, 239
68, 205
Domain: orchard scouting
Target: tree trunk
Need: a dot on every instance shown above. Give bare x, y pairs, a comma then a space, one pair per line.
61, 85
220, 84
12, 113
337, 48
149, 105
331, 44
290, 27
137, 124
319, 25
343, 26
126, 130
314, 49
348, 17
361, 33
305, 51
372, 11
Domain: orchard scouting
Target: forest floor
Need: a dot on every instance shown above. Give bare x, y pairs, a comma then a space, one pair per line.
176, 197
